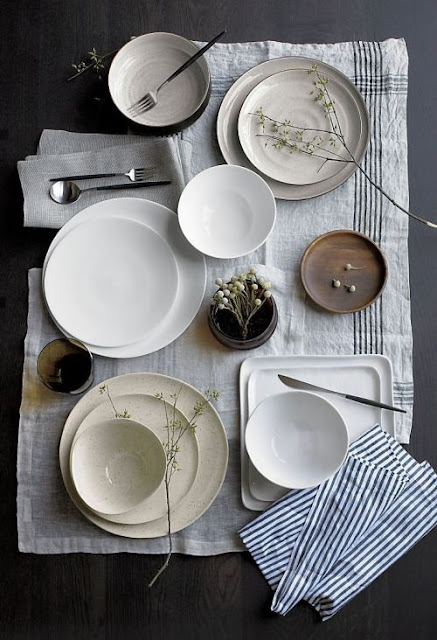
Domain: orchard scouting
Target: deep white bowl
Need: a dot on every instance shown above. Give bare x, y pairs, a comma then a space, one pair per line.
227, 211
296, 439
147, 61
116, 465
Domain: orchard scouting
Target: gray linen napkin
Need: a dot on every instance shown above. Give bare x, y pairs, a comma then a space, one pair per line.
91, 153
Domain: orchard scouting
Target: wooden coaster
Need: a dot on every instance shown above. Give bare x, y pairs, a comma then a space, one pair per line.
325, 260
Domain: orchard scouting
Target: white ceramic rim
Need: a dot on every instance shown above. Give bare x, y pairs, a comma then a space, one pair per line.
122, 50
181, 215
213, 453
252, 77
248, 443
157, 444
190, 263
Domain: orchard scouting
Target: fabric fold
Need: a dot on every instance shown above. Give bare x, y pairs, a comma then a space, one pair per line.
326, 545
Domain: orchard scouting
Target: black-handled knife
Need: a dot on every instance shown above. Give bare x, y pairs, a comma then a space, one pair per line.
306, 386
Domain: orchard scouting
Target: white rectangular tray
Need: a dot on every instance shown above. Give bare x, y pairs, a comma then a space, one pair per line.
369, 376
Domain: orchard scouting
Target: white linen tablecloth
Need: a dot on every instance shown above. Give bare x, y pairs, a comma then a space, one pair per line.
47, 520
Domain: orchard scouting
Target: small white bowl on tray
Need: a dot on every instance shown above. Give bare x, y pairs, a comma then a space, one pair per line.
297, 439
116, 465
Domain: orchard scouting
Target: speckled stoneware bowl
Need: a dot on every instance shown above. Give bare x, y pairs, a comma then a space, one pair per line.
116, 465
147, 61
211, 439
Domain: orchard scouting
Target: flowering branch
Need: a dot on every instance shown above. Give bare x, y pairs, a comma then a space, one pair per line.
287, 135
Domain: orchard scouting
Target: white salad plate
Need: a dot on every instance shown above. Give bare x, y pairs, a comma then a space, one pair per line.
227, 211
117, 464
289, 96
227, 124
109, 282
369, 376
296, 440
212, 446
146, 62
190, 266
150, 411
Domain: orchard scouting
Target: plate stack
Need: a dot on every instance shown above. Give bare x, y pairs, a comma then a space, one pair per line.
286, 91
202, 456
121, 278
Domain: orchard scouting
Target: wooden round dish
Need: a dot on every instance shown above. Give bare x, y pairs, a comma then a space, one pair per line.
325, 260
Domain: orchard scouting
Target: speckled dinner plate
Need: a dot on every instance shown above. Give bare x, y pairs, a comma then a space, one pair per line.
212, 449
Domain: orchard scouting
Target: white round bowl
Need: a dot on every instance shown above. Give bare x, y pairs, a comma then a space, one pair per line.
147, 61
116, 465
296, 439
227, 211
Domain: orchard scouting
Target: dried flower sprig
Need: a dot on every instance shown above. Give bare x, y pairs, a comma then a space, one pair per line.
93, 61
125, 414
243, 296
176, 429
293, 137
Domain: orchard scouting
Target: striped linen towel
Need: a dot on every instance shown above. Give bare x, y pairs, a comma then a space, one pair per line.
325, 544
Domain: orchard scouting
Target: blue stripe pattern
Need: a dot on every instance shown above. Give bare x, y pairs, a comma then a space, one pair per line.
326, 544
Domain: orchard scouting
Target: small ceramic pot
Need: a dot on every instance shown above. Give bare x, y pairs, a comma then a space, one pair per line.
216, 323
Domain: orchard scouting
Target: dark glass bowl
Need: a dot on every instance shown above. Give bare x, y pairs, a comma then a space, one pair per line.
222, 324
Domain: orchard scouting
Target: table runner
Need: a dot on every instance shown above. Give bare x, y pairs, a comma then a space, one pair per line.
47, 521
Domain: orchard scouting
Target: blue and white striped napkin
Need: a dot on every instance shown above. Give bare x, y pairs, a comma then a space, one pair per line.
325, 544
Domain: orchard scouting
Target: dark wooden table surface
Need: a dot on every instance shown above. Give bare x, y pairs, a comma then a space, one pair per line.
98, 596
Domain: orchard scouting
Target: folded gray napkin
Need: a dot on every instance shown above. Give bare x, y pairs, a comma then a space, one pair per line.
61, 153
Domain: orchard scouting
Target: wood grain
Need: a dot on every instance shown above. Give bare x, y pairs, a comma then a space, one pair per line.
86, 597
323, 267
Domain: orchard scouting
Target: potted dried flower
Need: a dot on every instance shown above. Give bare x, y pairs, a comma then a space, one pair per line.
243, 313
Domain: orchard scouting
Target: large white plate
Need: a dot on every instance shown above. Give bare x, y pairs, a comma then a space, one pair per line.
110, 282
227, 125
212, 443
150, 411
190, 263
368, 375
288, 96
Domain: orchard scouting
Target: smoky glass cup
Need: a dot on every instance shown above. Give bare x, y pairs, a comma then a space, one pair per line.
65, 365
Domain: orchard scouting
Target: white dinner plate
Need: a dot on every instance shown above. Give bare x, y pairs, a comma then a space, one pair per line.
289, 96
227, 125
211, 438
150, 411
190, 264
110, 282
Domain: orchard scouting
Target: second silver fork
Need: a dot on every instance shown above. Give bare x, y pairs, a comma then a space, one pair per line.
135, 175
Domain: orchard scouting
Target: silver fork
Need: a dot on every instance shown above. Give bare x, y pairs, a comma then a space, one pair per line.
135, 175
150, 99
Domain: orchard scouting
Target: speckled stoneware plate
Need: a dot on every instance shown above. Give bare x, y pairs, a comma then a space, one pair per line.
227, 125
190, 265
289, 96
212, 449
151, 412
146, 62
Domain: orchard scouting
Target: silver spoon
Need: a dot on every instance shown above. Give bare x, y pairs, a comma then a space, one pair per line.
65, 191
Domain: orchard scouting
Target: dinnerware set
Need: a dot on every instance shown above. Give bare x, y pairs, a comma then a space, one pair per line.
125, 277
203, 456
